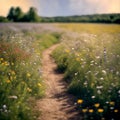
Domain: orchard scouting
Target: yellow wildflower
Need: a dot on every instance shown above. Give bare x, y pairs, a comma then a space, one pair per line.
29, 90
67, 51
39, 85
14, 77
12, 63
13, 72
112, 103
97, 105
100, 110
116, 110
91, 110
28, 74
3, 63
6, 63
8, 81
84, 110
80, 101
1, 59
77, 59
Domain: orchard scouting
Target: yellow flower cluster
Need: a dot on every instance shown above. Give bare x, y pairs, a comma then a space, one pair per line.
100, 110
1, 59
97, 105
84, 110
90, 110
79, 101
8, 81
29, 90
112, 103
39, 85
116, 110
5, 63
28, 74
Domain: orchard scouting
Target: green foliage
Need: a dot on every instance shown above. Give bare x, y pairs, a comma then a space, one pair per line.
61, 60
18, 82
3, 19
31, 16
91, 63
16, 15
46, 40
11, 14
97, 18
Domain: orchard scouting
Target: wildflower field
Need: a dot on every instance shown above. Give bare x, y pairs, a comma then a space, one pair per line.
89, 56
20, 69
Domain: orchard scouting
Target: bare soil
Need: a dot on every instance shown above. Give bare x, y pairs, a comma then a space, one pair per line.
57, 103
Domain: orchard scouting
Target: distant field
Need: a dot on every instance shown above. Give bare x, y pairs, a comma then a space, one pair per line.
90, 60
92, 28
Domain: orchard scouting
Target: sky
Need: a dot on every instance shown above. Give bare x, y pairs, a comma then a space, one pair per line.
62, 7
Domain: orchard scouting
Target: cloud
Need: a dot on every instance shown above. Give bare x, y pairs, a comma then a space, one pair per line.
95, 6
106, 6
49, 7
54, 7
63, 7
78, 7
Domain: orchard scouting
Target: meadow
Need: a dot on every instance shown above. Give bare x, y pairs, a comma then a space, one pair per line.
21, 81
89, 57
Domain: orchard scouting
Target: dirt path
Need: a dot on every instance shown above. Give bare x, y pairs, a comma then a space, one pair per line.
57, 104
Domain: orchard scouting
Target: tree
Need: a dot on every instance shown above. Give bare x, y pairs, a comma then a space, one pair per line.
32, 15
15, 14
18, 14
11, 14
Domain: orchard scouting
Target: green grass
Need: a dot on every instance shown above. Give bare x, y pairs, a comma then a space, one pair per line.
91, 63
21, 81
46, 40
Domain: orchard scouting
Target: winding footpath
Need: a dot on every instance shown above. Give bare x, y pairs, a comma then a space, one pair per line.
57, 103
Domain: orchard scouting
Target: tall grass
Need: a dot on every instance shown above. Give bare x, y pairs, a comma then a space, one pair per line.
91, 63
20, 72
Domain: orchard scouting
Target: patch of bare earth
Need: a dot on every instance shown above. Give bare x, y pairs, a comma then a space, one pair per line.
57, 103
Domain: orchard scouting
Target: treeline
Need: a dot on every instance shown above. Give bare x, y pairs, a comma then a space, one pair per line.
17, 15
97, 18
